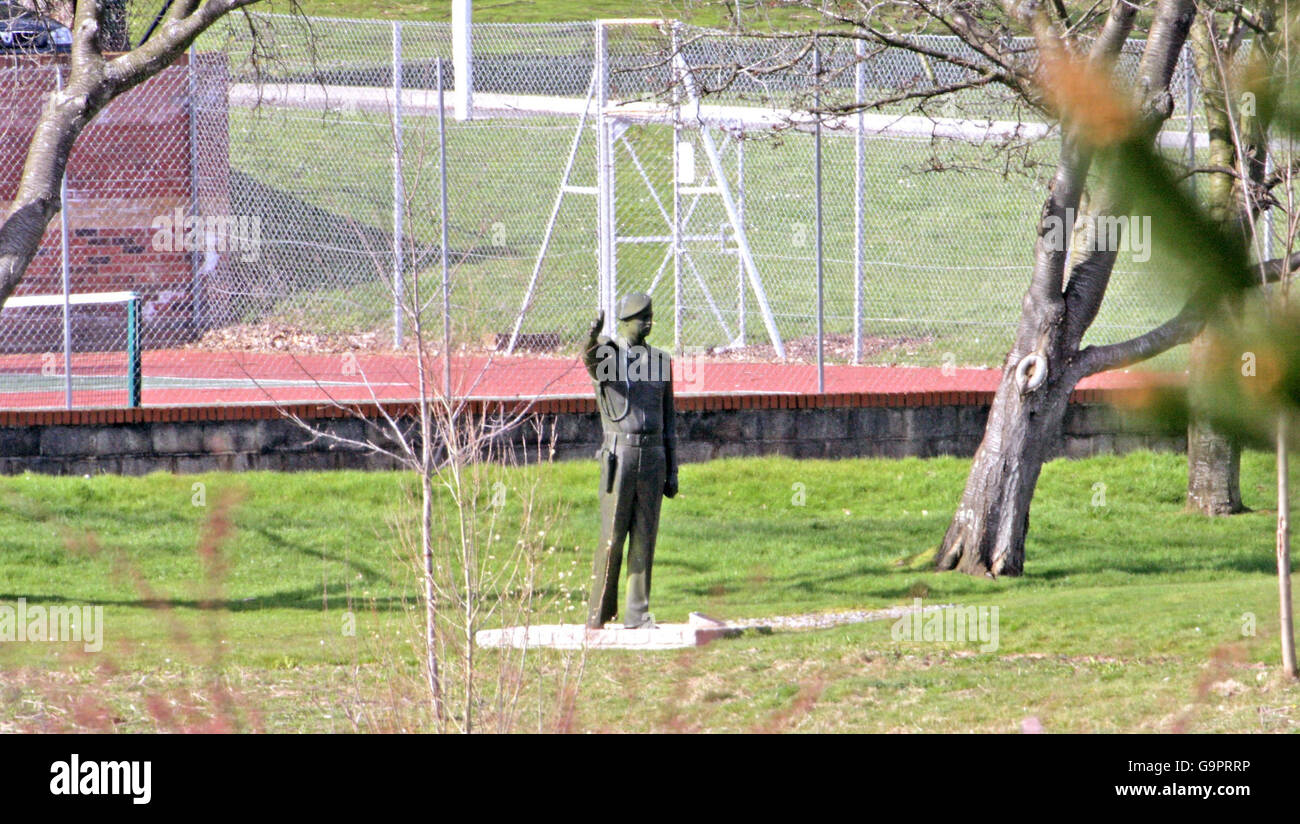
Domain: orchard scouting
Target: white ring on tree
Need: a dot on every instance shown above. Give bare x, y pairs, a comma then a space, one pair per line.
1027, 382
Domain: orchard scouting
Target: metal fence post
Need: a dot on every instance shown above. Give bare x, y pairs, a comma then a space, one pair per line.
859, 195
63, 249
442, 243
1189, 81
817, 197
197, 304
604, 179
399, 188
134, 377
740, 210
677, 196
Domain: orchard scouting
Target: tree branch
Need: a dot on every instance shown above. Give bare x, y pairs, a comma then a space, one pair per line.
172, 38
1091, 274
1114, 32
86, 55
1173, 20
1180, 329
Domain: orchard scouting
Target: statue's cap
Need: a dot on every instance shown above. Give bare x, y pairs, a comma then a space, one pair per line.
633, 304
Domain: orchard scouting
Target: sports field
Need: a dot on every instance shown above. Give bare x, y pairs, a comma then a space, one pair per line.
197, 378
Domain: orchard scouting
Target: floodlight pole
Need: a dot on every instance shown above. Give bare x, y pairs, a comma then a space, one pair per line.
462, 39
605, 180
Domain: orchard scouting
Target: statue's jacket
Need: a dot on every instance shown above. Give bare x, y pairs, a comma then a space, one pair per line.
634, 392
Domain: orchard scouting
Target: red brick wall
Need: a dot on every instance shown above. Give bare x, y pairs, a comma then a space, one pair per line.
131, 164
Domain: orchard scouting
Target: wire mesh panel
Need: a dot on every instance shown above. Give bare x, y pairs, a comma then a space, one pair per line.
276, 207
125, 227
522, 177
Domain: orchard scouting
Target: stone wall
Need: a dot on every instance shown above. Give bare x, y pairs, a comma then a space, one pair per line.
59, 443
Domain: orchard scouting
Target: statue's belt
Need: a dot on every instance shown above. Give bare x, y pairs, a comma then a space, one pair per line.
615, 439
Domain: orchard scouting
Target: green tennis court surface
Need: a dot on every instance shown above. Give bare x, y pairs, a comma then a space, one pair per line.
22, 382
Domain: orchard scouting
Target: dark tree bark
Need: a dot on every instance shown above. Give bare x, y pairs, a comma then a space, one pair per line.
987, 533
1214, 458
113, 35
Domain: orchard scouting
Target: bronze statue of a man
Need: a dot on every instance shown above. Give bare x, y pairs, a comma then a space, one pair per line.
638, 460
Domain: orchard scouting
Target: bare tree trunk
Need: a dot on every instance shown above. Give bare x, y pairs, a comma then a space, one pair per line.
987, 535
1284, 550
1213, 458
1213, 470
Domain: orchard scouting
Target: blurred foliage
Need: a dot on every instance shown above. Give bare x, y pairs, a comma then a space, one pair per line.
1253, 373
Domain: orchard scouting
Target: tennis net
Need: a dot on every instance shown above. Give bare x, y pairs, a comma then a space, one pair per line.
81, 350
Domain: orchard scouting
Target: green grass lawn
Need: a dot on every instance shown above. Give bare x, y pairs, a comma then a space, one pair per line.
502, 11
549, 11
1130, 616
947, 254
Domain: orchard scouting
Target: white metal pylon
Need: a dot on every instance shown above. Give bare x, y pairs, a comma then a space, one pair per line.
565, 188
610, 129
729, 203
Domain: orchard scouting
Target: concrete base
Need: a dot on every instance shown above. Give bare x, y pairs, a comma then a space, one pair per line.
699, 631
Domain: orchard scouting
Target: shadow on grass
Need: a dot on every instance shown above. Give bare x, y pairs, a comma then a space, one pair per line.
312, 599
277, 540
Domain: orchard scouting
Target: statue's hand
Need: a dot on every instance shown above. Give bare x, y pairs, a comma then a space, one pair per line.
596, 325
670, 487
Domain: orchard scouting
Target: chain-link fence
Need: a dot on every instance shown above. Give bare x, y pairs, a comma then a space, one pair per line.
278, 197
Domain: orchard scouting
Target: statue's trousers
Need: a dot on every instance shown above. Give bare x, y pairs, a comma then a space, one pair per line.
631, 493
